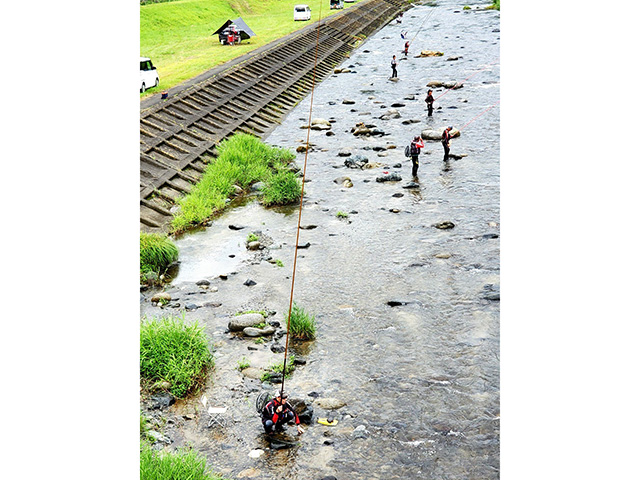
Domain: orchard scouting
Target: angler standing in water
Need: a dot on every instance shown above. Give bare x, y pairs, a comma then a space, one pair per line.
429, 101
445, 142
394, 64
414, 149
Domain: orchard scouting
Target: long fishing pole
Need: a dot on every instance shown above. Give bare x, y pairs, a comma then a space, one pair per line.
479, 115
470, 76
304, 173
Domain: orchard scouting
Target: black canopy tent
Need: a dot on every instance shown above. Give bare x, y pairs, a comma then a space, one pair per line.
243, 28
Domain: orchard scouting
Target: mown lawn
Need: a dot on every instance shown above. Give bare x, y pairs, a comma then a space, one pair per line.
177, 36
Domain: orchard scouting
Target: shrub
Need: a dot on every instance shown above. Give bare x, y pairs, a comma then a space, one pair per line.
281, 188
183, 464
302, 325
157, 252
175, 352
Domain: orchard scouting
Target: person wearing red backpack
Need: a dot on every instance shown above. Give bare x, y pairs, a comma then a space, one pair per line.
414, 150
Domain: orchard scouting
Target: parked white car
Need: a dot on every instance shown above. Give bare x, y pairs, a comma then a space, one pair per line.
148, 74
301, 12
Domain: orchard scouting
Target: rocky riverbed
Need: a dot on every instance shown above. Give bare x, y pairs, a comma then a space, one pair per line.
404, 282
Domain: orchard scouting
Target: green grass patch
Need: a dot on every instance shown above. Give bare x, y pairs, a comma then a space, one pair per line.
243, 159
279, 263
494, 6
261, 312
252, 237
173, 351
157, 252
181, 465
281, 188
177, 36
302, 325
342, 215
243, 363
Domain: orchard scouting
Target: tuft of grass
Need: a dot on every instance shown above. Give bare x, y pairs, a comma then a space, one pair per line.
157, 252
243, 159
466, 7
342, 215
183, 464
261, 312
281, 188
279, 263
173, 351
252, 237
494, 6
302, 325
243, 363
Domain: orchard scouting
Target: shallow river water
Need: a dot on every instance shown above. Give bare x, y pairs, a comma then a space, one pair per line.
422, 377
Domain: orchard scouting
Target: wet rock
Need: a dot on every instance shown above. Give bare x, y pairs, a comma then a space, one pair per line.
239, 323
429, 53
435, 84
396, 303
377, 131
345, 152
304, 245
161, 297
492, 292
257, 453
203, 283
357, 161
383, 154
292, 167
398, 195
191, 306
444, 225
451, 59
392, 177
320, 122
330, 133
347, 101
277, 348
301, 149
453, 85
442, 255
299, 361
303, 408
258, 332
329, 403
409, 97
361, 129
254, 245
411, 185
329, 477
394, 210
308, 227
436, 135
397, 165
397, 105
235, 227
273, 377
360, 432
162, 400
249, 283
457, 156
276, 444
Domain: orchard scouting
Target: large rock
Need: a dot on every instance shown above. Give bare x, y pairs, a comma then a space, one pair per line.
258, 332
436, 135
357, 161
329, 403
252, 372
239, 323
429, 53
161, 297
320, 121
435, 84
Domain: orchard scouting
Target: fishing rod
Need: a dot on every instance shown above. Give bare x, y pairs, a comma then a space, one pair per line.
425, 19
304, 173
477, 116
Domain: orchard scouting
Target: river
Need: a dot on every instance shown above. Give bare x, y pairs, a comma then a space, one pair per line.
422, 377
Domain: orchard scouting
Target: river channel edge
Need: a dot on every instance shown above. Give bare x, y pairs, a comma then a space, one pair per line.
408, 312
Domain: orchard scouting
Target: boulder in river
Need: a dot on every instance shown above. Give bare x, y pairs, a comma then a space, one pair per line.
436, 135
429, 53
357, 161
258, 332
392, 177
344, 152
162, 297
435, 84
444, 225
239, 323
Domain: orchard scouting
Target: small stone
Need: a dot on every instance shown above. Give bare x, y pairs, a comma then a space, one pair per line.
161, 297
442, 255
348, 102
254, 245
249, 283
444, 225
256, 453
236, 227
398, 195
330, 403
203, 282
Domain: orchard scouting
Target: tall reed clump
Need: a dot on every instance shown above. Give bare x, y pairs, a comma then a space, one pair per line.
175, 352
243, 160
281, 188
303, 325
157, 252
183, 464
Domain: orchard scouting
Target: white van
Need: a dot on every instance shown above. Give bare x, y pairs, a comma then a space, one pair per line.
148, 74
301, 12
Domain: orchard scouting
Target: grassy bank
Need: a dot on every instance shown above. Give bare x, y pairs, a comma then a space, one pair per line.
243, 160
157, 252
177, 35
175, 352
